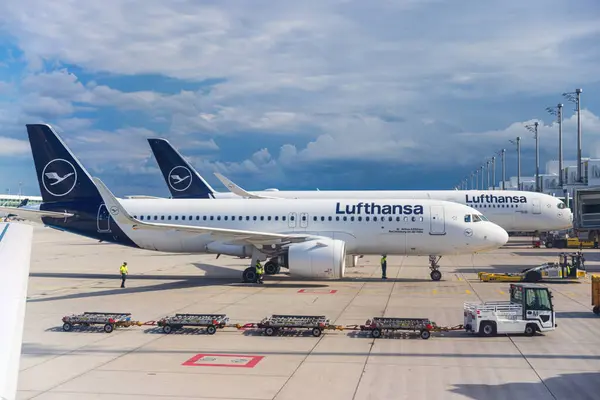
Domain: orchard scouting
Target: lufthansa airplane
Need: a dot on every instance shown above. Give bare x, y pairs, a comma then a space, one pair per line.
15, 257
309, 237
515, 211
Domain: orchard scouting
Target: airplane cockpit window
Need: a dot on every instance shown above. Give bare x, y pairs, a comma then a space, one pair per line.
468, 218
476, 218
561, 205
483, 217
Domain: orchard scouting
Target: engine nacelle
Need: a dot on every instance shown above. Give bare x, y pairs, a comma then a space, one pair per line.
319, 258
229, 249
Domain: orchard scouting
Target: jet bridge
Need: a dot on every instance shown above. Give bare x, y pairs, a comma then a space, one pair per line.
586, 211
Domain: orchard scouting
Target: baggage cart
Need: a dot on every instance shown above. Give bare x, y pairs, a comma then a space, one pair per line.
378, 325
211, 322
109, 320
276, 323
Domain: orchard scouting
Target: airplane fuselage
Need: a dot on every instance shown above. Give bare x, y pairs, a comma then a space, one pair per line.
412, 227
512, 210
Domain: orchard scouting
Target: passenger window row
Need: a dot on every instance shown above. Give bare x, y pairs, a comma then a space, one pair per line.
272, 218
494, 205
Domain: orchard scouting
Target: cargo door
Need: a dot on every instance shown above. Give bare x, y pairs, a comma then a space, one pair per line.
436, 220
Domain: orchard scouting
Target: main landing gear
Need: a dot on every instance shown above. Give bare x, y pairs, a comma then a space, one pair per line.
271, 267
435, 274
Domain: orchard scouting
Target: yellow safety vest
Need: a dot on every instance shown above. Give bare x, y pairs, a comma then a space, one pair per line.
383, 259
259, 268
123, 269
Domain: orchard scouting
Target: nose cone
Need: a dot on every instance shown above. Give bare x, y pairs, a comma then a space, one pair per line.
498, 237
489, 236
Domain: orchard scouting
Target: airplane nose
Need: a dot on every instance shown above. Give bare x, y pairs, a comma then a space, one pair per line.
498, 236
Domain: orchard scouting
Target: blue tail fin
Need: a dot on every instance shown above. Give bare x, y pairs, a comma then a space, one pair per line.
183, 180
67, 187
60, 175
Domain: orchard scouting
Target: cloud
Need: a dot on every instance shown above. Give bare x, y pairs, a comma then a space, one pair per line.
270, 87
13, 147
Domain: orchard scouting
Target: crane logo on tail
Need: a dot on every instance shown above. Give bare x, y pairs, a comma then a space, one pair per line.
180, 178
59, 177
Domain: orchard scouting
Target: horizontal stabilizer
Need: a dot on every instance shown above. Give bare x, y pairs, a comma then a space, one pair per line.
233, 188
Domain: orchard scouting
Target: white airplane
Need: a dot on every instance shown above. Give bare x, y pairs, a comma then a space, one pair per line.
515, 211
309, 237
15, 256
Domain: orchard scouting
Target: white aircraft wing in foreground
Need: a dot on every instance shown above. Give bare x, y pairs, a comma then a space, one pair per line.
15, 256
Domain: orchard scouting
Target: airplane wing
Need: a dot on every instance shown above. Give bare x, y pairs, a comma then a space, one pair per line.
238, 190
32, 214
15, 256
122, 217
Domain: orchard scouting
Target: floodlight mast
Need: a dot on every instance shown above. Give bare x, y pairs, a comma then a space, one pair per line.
575, 97
518, 143
534, 129
493, 172
559, 118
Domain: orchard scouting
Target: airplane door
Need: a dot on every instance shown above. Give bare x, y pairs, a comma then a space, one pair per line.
292, 220
537, 206
437, 223
303, 220
103, 219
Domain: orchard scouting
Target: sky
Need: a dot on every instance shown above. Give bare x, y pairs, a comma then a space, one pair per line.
328, 94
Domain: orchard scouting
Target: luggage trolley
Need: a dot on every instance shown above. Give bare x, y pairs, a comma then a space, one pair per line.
211, 322
110, 320
275, 323
377, 325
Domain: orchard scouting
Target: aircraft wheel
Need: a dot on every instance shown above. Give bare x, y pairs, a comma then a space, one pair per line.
249, 275
271, 268
435, 275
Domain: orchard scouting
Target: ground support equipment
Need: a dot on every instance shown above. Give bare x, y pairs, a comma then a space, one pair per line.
211, 322
571, 266
378, 325
110, 320
596, 294
277, 323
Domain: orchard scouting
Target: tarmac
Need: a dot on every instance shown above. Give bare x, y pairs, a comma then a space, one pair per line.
71, 274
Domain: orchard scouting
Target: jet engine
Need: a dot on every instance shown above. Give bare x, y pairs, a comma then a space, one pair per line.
319, 258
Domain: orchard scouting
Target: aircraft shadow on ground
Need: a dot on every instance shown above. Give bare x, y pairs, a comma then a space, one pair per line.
512, 268
580, 386
577, 314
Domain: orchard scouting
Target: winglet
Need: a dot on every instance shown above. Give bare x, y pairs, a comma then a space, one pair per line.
229, 184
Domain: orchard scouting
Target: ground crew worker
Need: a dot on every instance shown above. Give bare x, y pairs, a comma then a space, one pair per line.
259, 272
383, 266
124, 273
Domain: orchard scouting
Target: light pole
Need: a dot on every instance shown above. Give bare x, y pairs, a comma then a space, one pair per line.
575, 97
482, 183
472, 184
487, 169
477, 178
518, 143
534, 129
493, 172
503, 169
559, 118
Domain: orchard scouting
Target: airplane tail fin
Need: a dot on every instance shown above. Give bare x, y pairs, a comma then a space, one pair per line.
183, 180
61, 176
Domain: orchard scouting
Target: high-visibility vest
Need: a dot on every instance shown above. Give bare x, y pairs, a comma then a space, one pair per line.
259, 268
383, 260
123, 269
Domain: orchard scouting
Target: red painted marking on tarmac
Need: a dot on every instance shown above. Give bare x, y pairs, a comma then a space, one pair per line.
223, 360
317, 291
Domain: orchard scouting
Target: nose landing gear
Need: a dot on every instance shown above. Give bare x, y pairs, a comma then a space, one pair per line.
435, 274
